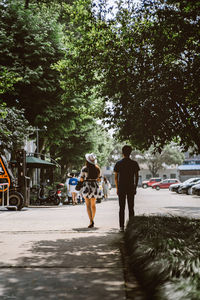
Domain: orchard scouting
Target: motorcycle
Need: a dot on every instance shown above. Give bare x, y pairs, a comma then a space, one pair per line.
59, 188
53, 198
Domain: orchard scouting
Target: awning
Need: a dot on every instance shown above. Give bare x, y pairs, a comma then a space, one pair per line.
188, 167
34, 162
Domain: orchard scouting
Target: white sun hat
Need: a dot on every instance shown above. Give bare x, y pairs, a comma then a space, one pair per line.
91, 158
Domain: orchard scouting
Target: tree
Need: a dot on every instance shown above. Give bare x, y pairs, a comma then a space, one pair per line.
170, 155
145, 65
14, 129
31, 41
154, 89
13, 125
87, 137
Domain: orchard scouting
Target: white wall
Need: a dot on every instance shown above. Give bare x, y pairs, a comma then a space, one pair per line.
144, 174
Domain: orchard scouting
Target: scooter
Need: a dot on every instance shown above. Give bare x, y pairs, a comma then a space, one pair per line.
59, 188
54, 196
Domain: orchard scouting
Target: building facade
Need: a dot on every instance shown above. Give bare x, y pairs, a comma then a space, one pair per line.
190, 168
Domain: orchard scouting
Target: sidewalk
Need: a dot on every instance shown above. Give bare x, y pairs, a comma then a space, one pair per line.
43, 258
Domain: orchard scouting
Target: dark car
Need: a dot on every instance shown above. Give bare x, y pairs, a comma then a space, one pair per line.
196, 189
175, 187
184, 189
150, 182
164, 184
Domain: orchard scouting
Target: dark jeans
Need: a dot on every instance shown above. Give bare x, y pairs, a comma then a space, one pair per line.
122, 202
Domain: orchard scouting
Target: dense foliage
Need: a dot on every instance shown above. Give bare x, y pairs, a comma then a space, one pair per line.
31, 44
137, 67
164, 256
14, 128
145, 64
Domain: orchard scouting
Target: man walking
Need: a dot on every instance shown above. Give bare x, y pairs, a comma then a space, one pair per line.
126, 181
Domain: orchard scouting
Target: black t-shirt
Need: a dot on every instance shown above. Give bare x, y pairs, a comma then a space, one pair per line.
126, 169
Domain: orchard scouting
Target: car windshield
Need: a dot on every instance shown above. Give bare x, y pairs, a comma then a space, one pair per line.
190, 180
197, 182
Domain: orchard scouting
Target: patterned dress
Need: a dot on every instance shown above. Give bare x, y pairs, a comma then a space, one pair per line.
90, 186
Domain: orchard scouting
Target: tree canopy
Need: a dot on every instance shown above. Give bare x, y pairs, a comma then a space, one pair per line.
136, 67
14, 128
145, 64
32, 43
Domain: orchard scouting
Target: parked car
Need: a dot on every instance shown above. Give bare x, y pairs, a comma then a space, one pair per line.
191, 180
175, 187
196, 189
164, 184
184, 189
148, 183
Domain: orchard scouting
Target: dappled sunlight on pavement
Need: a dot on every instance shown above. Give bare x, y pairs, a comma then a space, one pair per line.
50, 253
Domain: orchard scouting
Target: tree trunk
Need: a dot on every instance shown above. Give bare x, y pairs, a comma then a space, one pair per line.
26, 4
153, 168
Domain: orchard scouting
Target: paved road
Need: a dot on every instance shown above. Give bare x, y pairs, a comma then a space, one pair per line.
49, 253
150, 201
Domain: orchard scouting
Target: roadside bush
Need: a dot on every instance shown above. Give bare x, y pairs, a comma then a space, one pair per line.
164, 256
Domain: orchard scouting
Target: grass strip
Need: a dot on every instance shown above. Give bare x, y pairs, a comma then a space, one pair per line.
164, 255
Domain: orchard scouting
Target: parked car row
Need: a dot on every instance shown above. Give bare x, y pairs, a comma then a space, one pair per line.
158, 183
189, 187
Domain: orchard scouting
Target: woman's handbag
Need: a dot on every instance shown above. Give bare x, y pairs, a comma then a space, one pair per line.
79, 186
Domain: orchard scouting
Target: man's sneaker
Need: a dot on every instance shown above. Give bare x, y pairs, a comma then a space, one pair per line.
121, 229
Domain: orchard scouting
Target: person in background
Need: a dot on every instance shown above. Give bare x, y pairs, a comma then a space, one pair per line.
126, 181
72, 184
106, 187
90, 175
69, 195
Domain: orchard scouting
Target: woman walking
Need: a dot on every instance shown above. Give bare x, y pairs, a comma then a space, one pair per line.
90, 175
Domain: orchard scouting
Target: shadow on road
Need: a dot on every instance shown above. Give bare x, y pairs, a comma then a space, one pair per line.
79, 266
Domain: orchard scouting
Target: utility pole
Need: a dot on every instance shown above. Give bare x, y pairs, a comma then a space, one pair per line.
37, 145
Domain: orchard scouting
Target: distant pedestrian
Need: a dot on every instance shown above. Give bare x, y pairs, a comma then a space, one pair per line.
90, 175
72, 185
126, 181
106, 187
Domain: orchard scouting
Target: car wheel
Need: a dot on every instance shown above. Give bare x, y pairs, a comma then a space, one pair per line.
179, 191
144, 186
16, 199
157, 188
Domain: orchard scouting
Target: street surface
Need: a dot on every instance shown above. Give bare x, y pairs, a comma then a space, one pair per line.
49, 253
149, 201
